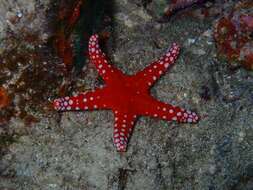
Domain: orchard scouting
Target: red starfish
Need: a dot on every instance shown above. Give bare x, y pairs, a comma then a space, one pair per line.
127, 96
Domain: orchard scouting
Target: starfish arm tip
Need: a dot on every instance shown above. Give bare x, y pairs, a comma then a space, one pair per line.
123, 127
189, 117
63, 104
57, 104
100, 60
120, 144
121, 149
176, 45
94, 37
174, 48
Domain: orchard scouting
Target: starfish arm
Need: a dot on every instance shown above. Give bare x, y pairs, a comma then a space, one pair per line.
98, 58
123, 128
83, 101
157, 109
153, 72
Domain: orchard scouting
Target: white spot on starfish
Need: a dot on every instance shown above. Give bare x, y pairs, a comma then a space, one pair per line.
70, 102
174, 118
189, 112
189, 120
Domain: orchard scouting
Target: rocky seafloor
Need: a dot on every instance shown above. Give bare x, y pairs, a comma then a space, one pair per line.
74, 150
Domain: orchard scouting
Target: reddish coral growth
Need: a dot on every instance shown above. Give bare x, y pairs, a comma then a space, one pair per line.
233, 35
75, 22
177, 5
4, 98
249, 62
67, 18
225, 37
64, 49
75, 14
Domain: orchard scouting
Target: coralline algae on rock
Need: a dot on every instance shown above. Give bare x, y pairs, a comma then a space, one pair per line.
4, 98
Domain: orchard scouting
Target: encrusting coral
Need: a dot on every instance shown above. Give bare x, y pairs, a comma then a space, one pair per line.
233, 35
4, 98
